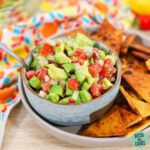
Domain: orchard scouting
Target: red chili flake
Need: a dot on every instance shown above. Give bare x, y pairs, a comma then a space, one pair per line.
71, 101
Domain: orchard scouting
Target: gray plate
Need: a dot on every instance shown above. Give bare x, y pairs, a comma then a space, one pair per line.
70, 134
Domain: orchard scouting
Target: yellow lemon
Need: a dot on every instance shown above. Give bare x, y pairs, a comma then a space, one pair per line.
141, 7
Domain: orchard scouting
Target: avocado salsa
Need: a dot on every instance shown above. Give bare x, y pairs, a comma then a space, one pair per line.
71, 70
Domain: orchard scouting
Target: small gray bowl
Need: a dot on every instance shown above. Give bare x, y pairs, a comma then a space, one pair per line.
78, 114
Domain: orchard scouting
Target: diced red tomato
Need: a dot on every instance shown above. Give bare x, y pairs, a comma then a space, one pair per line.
73, 84
98, 66
30, 74
95, 69
102, 90
80, 56
107, 72
74, 59
81, 61
46, 87
46, 50
78, 52
42, 73
94, 89
108, 62
71, 101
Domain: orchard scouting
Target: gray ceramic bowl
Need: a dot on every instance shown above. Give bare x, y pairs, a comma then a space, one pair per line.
73, 114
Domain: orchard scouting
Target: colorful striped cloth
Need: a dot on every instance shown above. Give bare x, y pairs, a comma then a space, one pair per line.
24, 36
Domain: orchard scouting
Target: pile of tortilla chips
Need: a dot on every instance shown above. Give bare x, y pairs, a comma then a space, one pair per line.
131, 111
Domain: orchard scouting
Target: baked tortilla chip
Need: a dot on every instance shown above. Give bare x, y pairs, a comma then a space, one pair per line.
134, 63
141, 108
110, 124
128, 117
127, 42
106, 26
138, 127
148, 64
140, 48
92, 130
109, 36
141, 55
140, 82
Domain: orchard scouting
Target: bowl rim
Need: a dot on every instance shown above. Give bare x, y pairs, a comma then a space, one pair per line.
117, 81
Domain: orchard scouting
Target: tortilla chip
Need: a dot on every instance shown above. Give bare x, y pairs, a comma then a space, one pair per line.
127, 42
110, 124
141, 108
138, 127
128, 117
140, 48
109, 36
141, 55
92, 130
148, 64
134, 63
140, 82
106, 26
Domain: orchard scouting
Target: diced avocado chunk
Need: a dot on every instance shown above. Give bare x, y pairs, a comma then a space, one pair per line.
83, 40
86, 63
69, 67
106, 84
91, 60
90, 80
61, 58
85, 71
56, 89
56, 73
78, 101
68, 90
65, 100
70, 53
112, 57
86, 85
53, 97
85, 96
59, 47
68, 46
35, 83
101, 55
34, 64
80, 76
